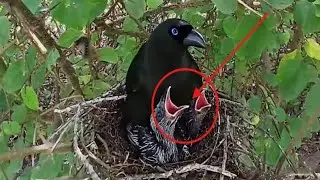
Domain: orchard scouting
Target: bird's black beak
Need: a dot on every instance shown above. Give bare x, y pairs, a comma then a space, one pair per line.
172, 111
202, 103
194, 38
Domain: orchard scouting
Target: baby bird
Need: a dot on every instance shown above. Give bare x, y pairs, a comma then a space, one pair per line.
149, 142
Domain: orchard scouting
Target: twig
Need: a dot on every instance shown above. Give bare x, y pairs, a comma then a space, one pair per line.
181, 170
302, 176
44, 148
225, 147
105, 145
81, 157
89, 103
42, 39
248, 7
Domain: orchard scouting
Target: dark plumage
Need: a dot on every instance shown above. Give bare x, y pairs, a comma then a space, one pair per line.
149, 142
165, 50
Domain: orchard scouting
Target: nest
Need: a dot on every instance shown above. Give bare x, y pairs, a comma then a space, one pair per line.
100, 145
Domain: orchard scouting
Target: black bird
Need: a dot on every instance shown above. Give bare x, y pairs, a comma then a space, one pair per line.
149, 142
164, 51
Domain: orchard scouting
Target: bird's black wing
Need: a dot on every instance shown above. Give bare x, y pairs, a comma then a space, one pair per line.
133, 77
135, 109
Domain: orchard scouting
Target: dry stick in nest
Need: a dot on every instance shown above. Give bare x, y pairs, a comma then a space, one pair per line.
181, 170
225, 147
78, 152
302, 176
76, 120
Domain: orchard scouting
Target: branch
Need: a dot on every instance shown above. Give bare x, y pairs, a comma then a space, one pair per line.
248, 7
41, 38
297, 38
44, 149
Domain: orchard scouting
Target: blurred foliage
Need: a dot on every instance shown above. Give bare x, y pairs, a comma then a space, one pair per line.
275, 73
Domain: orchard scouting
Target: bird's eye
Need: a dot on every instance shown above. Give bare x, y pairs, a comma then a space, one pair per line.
174, 31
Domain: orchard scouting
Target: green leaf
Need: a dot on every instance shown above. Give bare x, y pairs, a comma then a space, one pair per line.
33, 5
3, 144
296, 127
78, 13
260, 40
228, 25
226, 6
30, 98
3, 101
255, 103
100, 85
52, 58
312, 48
135, 8
304, 15
193, 17
30, 59
38, 77
108, 55
280, 4
284, 37
227, 46
19, 114
271, 79
14, 77
312, 103
127, 61
273, 153
30, 126
285, 139
4, 30
129, 24
11, 128
85, 79
12, 169
68, 37
293, 75
281, 115
49, 167
152, 4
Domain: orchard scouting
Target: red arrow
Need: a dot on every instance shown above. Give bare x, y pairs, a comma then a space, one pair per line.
197, 91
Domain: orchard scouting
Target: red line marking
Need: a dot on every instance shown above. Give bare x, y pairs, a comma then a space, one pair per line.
224, 62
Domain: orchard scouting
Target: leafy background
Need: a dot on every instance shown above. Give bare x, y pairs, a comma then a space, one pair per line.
275, 73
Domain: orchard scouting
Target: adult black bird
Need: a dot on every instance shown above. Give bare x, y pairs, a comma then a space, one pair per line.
149, 142
164, 51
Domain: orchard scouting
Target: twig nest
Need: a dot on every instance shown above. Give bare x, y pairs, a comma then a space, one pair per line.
101, 147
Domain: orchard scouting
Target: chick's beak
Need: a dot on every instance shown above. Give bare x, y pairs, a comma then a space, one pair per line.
202, 103
195, 39
171, 110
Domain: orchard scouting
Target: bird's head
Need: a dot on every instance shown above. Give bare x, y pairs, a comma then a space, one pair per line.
178, 32
172, 112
